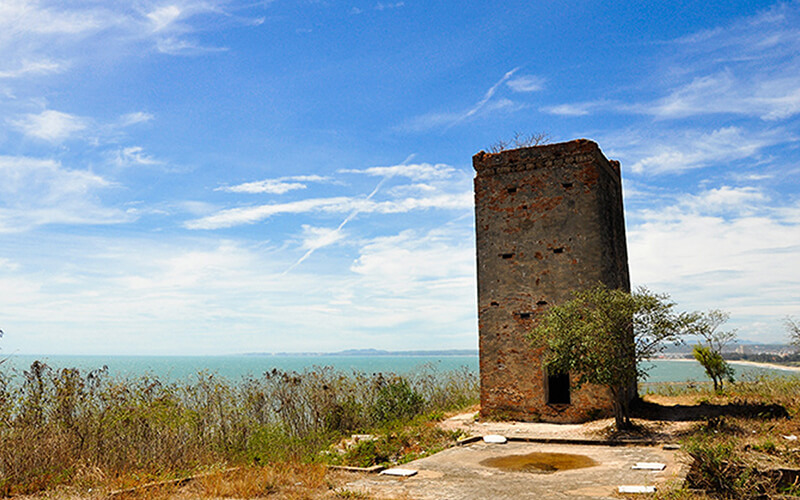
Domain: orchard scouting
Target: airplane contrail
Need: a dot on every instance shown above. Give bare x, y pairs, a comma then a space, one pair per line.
338, 229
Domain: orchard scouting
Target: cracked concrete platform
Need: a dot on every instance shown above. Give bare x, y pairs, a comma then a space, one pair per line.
457, 473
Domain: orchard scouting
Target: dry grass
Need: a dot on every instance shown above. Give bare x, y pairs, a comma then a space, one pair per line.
276, 481
87, 430
738, 442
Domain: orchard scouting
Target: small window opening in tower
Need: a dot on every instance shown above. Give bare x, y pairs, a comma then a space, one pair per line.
566, 185
558, 250
541, 303
507, 255
512, 190
558, 389
526, 315
495, 304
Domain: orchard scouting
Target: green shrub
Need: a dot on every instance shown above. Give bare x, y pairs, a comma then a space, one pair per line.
396, 400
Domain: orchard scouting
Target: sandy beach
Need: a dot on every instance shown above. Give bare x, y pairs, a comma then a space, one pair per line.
767, 365
744, 363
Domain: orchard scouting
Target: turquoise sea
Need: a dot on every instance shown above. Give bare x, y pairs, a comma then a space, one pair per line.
179, 368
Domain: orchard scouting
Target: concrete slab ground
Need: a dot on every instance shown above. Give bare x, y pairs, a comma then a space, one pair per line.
597, 430
464, 473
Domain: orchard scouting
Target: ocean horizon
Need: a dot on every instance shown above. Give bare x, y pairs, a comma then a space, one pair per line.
242, 366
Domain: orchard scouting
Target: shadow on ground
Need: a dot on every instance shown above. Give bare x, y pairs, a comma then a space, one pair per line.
681, 413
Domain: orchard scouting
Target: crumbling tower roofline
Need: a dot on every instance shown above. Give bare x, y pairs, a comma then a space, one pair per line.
547, 155
548, 221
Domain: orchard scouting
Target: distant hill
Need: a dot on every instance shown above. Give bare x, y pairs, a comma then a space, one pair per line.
372, 352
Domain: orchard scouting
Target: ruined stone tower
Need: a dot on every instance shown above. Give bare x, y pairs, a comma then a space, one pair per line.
549, 220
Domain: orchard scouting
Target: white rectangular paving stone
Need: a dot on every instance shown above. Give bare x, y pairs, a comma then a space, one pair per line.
399, 472
494, 438
649, 466
637, 489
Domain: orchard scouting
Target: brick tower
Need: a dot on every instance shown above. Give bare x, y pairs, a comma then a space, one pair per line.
548, 221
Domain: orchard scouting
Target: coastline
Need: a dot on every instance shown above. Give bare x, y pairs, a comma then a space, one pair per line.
767, 365
756, 364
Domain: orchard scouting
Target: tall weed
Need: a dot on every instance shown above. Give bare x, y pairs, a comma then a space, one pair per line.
68, 427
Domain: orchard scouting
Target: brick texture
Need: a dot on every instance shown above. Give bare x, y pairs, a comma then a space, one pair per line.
549, 220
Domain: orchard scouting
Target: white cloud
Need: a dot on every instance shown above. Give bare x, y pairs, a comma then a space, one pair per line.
445, 201
196, 208
23, 173
33, 68
280, 185
577, 108
133, 155
749, 68
526, 83
429, 121
770, 97
314, 238
725, 202
411, 257
24, 16
56, 126
418, 196
50, 125
249, 215
185, 47
416, 188
8, 264
271, 186
166, 295
337, 205
35, 33
754, 177
422, 279
95, 285
726, 199
162, 17
306, 178
416, 172
732, 248
35, 192
135, 118
679, 151
388, 6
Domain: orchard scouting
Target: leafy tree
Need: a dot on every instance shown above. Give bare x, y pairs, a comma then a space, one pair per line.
709, 352
717, 369
601, 335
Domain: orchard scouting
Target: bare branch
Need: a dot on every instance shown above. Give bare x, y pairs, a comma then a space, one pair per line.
793, 327
520, 140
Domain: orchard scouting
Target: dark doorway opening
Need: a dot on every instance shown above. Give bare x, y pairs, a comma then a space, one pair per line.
558, 389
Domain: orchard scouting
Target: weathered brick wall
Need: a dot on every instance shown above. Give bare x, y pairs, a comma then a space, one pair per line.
549, 220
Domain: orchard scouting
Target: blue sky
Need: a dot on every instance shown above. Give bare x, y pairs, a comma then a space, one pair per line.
205, 176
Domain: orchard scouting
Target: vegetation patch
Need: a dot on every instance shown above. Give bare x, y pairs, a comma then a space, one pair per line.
745, 444
89, 430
